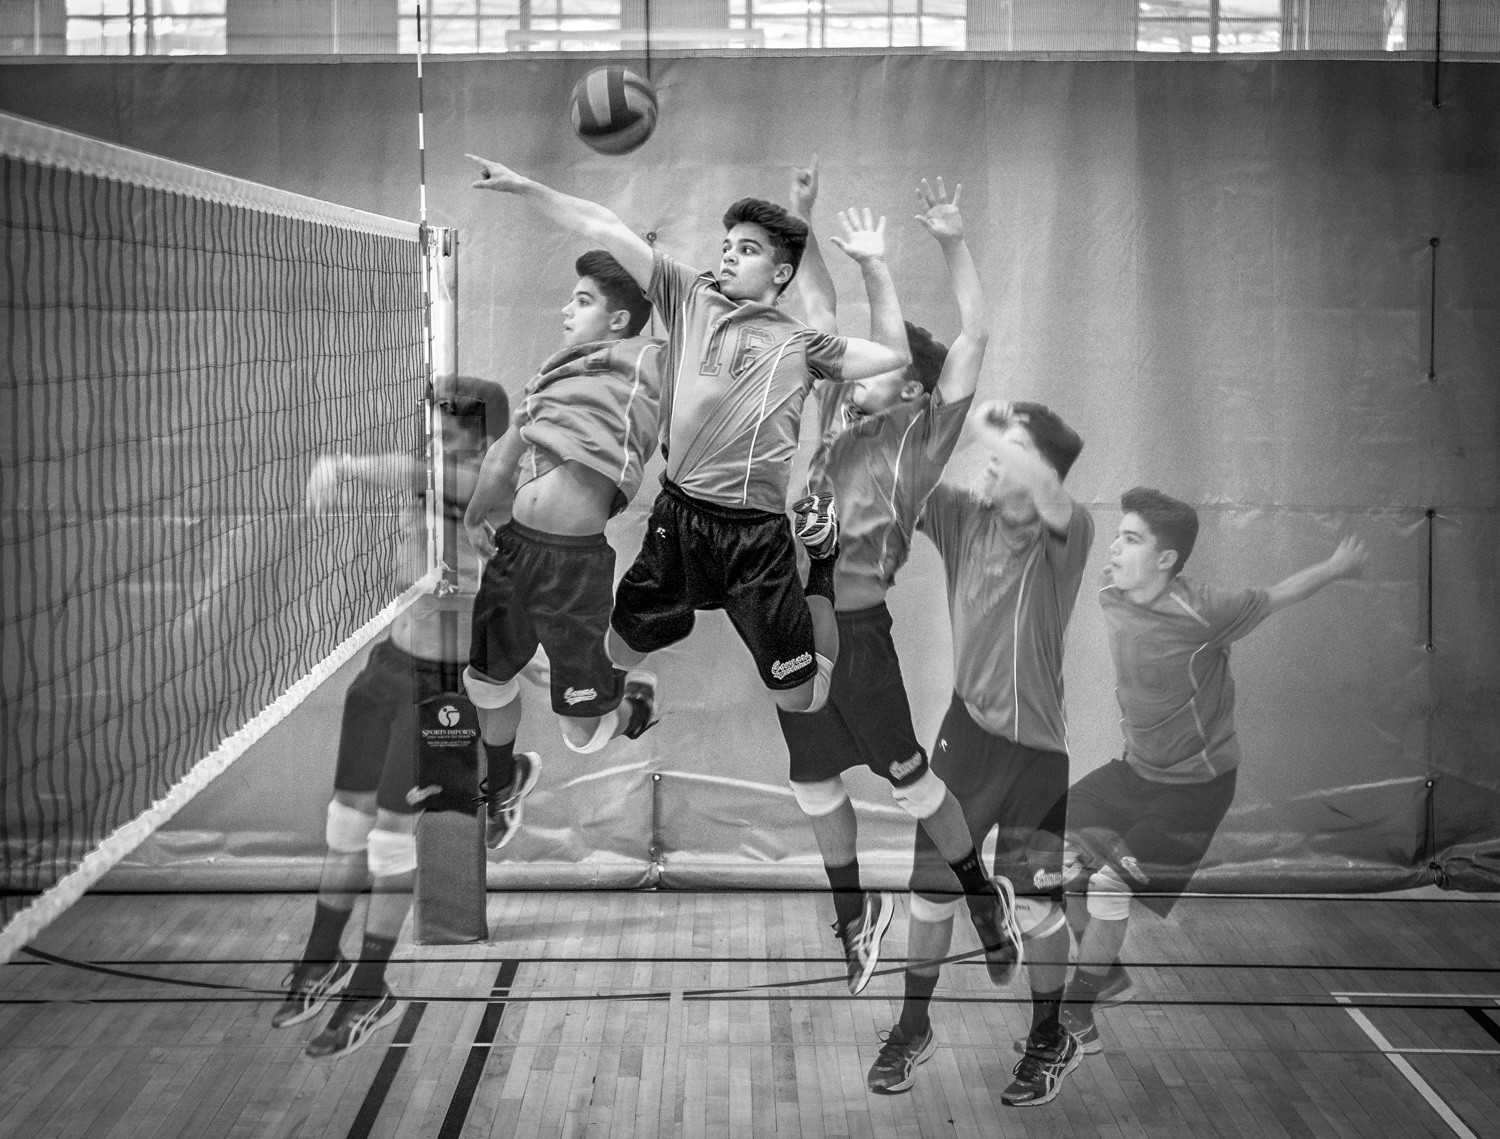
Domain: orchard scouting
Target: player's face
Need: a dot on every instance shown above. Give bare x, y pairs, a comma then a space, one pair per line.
1000, 485
748, 270
586, 317
1134, 560
880, 393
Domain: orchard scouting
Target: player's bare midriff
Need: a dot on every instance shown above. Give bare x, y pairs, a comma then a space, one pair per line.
570, 500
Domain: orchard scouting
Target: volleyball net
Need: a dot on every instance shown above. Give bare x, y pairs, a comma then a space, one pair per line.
181, 348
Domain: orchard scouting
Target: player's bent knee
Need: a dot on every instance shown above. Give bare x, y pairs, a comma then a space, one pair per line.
821, 798
348, 830
922, 798
925, 909
391, 853
584, 740
1109, 897
490, 694
1039, 917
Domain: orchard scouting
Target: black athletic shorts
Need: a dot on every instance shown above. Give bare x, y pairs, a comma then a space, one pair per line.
867, 719
557, 591
700, 555
1165, 827
378, 739
998, 783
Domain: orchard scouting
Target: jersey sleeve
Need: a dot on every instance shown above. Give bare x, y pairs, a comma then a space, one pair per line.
1069, 553
1230, 613
945, 422
672, 283
943, 516
825, 356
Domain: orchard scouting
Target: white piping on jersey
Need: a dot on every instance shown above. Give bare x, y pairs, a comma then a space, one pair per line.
1193, 613
764, 399
635, 386
1015, 639
895, 479
531, 448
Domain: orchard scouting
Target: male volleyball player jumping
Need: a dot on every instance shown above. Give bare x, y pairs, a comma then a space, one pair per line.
1014, 553
572, 459
371, 828
739, 370
1144, 822
883, 444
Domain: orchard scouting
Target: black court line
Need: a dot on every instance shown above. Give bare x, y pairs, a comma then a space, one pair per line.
479, 1053
1486, 1022
385, 1075
103, 962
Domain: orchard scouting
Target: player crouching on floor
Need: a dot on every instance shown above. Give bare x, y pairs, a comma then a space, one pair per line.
581, 434
371, 827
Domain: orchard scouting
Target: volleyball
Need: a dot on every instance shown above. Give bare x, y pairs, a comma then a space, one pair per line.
614, 110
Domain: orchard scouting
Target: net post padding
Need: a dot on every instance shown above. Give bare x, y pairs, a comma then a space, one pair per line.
42, 145
51, 904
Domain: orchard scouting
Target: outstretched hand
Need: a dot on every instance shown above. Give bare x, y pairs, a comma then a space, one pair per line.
1350, 559
324, 484
805, 188
941, 217
864, 237
495, 176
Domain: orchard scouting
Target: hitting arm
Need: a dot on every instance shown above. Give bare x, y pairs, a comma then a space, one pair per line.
886, 350
597, 224
494, 492
1348, 561
818, 297
961, 369
1025, 463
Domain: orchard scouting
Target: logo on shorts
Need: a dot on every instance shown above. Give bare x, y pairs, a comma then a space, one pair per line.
579, 695
448, 715
942, 745
661, 531
417, 795
781, 669
907, 766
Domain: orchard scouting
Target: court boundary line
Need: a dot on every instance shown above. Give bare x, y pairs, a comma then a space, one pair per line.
385, 1075
1402, 1065
53, 902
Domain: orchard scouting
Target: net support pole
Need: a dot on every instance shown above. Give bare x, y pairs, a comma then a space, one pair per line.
442, 310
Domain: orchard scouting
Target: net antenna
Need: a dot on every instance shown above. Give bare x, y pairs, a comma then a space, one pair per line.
183, 350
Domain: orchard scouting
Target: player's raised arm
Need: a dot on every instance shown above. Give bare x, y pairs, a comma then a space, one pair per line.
494, 492
1348, 561
1023, 462
941, 218
393, 470
886, 350
597, 224
818, 297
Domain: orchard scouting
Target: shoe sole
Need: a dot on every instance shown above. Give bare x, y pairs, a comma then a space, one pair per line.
531, 781
922, 1057
1091, 1048
383, 1022
1012, 928
1056, 1088
888, 904
337, 987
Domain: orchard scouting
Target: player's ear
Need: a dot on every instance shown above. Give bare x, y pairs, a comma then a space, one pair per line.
783, 274
1166, 559
910, 390
619, 320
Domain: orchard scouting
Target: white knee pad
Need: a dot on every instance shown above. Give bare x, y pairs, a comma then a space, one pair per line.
921, 799
392, 853
603, 733
821, 798
925, 909
821, 683
1039, 917
487, 693
1109, 897
348, 830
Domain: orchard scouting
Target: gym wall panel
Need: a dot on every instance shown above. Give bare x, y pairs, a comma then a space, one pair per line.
1219, 271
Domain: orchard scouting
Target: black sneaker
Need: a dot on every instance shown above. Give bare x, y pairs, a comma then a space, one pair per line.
999, 931
353, 1022
861, 939
502, 813
1081, 1024
817, 524
640, 695
895, 1068
1041, 1070
309, 984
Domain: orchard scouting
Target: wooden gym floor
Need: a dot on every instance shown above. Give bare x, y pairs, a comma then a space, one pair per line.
678, 1014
